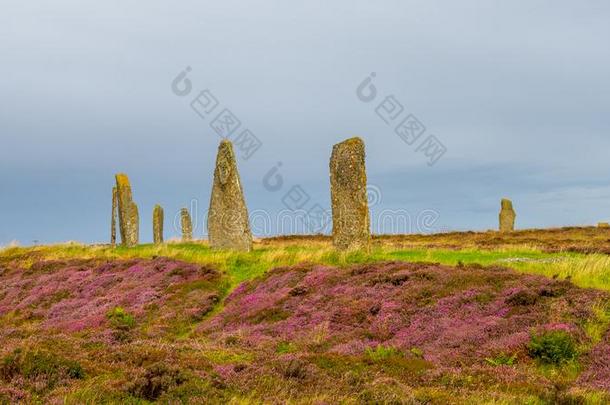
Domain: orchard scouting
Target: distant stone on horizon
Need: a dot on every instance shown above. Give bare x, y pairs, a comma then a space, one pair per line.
129, 219
351, 221
187, 225
158, 224
114, 216
603, 225
228, 222
507, 216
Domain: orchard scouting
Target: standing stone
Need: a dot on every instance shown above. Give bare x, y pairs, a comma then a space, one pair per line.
187, 225
129, 219
351, 222
228, 225
507, 216
113, 220
158, 225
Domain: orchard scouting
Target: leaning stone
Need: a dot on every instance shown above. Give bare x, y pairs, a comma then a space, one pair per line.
228, 223
507, 216
187, 225
158, 224
351, 222
129, 219
114, 215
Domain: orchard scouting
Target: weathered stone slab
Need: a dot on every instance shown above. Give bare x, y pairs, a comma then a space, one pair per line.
187, 225
158, 224
114, 216
228, 222
351, 222
129, 219
507, 216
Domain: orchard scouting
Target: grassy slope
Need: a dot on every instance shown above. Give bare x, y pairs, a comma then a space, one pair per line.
585, 270
518, 252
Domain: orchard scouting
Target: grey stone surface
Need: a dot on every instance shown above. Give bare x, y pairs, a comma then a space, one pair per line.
507, 216
351, 221
114, 216
158, 218
228, 222
187, 225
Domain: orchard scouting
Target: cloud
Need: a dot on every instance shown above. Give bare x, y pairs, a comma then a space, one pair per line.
517, 91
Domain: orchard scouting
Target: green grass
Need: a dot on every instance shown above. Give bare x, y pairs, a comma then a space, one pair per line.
585, 270
596, 327
383, 352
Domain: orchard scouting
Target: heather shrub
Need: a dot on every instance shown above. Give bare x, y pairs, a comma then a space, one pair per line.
12, 395
380, 353
122, 322
270, 315
295, 368
10, 365
197, 391
285, 347
120, 319
206, 306
231, 340
522, 297
155, 381
502, 360
552, 347
598, 324
48, 368
386, 391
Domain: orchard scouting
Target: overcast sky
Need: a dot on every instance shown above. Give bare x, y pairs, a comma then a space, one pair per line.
517, 92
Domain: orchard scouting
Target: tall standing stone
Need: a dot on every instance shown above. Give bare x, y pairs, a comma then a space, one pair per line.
507, 216
228, 223
114, 215
129, 219
187, 225
158, 224
351, 222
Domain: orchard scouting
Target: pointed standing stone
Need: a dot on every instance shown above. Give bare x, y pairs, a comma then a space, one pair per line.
507, 216
187, 225
351, 222
158, 224
113, 220
228, 223
129, 220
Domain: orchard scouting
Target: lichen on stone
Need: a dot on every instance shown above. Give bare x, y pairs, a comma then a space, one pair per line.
187, 225
507, 216
158, 224
129, 219
351, 221
228, 222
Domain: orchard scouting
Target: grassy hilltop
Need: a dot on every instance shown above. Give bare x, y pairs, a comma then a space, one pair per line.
448, 318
